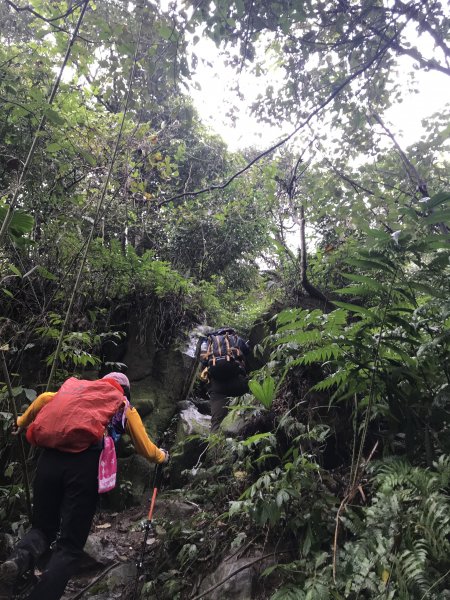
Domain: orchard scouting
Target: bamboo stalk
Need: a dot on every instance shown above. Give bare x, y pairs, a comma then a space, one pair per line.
19, 437
12, 204
97, 215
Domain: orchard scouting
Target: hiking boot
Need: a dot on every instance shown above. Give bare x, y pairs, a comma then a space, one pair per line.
9, 572
6, 591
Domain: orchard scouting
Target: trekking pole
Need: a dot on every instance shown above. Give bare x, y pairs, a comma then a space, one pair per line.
19, 437
148, 527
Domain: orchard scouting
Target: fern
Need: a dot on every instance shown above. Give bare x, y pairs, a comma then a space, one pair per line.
335, 379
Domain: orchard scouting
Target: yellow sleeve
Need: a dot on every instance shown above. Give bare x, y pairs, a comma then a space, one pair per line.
30, 414
142, 443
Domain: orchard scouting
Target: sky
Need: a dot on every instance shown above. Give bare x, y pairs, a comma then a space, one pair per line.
214, 97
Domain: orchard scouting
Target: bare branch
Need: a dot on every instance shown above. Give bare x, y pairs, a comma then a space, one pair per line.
411, 170
31, 10
337, 90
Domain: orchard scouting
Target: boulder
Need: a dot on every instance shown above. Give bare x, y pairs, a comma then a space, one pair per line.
237, 587
113, 585
121, 576
235, 422
192, 422
187, 451
98, 551
155, 403
6, 545
203, 406
134, 479
176, 510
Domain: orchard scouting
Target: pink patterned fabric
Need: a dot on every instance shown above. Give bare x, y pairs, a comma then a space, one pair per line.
107, 466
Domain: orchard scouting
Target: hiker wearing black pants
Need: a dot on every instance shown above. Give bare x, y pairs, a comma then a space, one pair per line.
67, 481
223, 356
69, 508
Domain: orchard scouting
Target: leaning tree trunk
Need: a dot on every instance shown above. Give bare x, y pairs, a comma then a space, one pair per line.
306, 284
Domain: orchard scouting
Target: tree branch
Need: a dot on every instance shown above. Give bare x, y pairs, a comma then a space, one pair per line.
31, 10
413, 13
411, 170
358, 188
233, 573
338, 89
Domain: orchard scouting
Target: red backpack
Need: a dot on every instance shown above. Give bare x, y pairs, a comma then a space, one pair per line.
76, 416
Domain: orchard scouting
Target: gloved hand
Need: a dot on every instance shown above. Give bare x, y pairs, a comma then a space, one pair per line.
166, 459
17, 429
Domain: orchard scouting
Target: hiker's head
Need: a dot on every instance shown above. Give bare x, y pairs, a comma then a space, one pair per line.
122, 379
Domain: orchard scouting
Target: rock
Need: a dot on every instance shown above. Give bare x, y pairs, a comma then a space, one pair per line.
174, 370
120, 576
98, 551
113, 585
155, 403
187, 451
176, 510
134, 479
239, 587
141, 346
192, 422
203, 406
183, 405
143, 396
6, 545
234, 423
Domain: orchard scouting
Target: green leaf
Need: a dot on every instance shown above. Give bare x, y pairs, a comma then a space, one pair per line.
442, 216
53, 147
256, 438
88, 157
364, 279
355, 290
439, 198
20, 223
434, 292
15, 270
354, 308
369, 264
53, 116
265, 392
46, 274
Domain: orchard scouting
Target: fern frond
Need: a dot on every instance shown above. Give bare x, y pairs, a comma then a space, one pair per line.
337, 379
434, 522
321, 355
301, 337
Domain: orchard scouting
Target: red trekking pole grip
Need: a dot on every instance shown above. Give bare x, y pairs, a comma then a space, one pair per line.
152, 504
156, 485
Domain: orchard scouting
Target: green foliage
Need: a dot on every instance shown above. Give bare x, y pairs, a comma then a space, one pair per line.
391, 353
264, 392
374, 369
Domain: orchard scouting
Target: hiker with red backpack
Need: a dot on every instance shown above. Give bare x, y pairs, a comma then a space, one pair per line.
76, 428
223, 355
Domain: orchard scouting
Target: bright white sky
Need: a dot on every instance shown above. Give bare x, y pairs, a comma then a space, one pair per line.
215, 97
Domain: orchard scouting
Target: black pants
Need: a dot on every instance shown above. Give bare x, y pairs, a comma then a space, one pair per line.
219, 395
65, 500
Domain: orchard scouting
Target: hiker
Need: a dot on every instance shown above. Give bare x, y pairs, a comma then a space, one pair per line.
69, 472
223, 356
